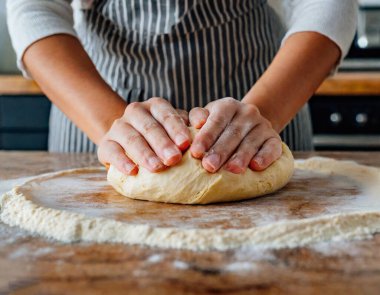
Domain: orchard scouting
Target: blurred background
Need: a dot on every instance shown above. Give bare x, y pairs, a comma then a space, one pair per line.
345, 110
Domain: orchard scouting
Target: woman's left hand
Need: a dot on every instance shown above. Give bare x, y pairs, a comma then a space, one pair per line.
233, 134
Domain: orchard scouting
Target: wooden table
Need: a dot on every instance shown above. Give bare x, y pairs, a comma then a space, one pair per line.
33, 265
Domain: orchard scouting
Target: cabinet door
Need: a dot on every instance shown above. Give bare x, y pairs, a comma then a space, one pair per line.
24, 122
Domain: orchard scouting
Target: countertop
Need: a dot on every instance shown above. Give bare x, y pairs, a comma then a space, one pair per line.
34, 265
344, 83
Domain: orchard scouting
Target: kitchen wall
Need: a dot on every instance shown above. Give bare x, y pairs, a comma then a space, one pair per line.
7, 55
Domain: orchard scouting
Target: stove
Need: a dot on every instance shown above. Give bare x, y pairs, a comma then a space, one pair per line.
346, 122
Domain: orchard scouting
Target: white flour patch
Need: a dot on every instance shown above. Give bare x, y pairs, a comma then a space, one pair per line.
9, 184
342, 248
43, 251
19, 252
252, 253
155, 258
240, 266
29, 252
180, 264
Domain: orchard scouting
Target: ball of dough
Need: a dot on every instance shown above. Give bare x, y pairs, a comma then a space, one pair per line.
189, 183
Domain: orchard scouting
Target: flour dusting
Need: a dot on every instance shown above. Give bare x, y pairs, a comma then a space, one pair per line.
18, 209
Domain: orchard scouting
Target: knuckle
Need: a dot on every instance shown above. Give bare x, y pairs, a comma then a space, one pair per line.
229, 102
132, 107
132, 138
148, 127
251, 110
156, 100
131, 110
216, 120
169, 116
234, 131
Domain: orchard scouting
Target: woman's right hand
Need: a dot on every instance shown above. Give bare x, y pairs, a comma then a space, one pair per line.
151, 134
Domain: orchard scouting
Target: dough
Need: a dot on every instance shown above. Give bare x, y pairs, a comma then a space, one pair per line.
19, 209
189, 183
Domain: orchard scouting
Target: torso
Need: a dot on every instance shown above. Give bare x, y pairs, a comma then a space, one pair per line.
190, 52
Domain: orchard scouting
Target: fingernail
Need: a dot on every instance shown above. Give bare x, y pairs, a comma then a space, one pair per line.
213, 160
197, 150
200, 123
128, 167
181, 139
154, 162
169, 153
235, 166
259, 161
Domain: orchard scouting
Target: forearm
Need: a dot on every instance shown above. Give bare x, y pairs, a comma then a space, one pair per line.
65, 73
296, 72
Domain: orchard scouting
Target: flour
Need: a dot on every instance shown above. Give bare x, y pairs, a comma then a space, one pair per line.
240, 266
18, 210
155, 258
180, 264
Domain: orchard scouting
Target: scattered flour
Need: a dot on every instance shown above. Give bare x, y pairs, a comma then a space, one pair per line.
240, 266
155, 258
180, 264
65, 226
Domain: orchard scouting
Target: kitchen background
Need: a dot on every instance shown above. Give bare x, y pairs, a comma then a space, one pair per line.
345, 110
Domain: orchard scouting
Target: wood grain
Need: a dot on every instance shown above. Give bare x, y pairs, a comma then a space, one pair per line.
33, 265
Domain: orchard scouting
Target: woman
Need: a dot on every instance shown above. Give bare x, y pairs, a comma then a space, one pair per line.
129, 71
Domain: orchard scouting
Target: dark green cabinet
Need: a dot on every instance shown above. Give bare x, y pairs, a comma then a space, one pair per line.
24, 122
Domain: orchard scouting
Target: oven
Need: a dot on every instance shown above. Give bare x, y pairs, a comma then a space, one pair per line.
346, 122
365, 50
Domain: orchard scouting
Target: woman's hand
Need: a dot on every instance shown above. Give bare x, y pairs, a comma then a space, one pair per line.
235, 134
151, 134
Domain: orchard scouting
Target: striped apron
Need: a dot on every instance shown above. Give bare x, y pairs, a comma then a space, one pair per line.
189, 52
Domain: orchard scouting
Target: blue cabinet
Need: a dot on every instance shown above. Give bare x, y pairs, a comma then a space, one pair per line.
24, 122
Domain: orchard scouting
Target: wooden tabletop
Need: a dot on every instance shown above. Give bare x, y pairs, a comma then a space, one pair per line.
18, 85
34, 265
356, 83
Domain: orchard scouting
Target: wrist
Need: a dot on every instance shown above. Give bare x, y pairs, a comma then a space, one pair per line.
268, 109
104, 116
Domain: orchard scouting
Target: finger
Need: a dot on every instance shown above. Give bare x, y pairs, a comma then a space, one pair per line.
111, 152
268, 153
198, 117
220, 115
250, 145
229, 140
141, 120
184, 116
135, 146
171, 121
